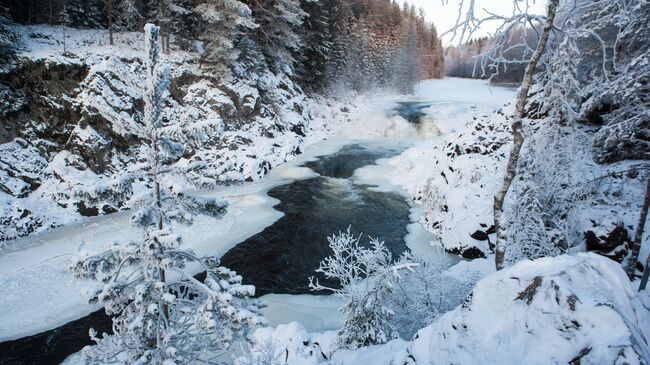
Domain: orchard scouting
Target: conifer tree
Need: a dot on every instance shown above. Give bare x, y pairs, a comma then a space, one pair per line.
162, 319
222, 22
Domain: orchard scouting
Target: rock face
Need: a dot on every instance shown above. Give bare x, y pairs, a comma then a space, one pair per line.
76, 130
457, 200
614, 244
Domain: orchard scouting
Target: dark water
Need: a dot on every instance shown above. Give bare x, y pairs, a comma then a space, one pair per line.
54, 346
412, 111
282, 257
343, 163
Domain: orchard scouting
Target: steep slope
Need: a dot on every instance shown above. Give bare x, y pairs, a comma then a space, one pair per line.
70, 150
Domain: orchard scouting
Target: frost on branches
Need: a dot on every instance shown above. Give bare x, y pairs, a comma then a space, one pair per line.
426, 292
162, 314
366, 276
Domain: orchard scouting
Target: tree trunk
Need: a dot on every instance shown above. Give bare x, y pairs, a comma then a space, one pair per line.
638, 235
29, 12
65, 49
646, 274
511, 169
109, 5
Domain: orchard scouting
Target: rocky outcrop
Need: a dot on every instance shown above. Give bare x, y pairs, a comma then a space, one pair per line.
76, 135
582, 306
613, 243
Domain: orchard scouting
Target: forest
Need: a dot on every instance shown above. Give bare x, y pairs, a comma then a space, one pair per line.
356, 44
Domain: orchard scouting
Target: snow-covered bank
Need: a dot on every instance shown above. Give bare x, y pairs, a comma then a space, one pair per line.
43, 294
582, 307
74, 152
452, 176
567, 309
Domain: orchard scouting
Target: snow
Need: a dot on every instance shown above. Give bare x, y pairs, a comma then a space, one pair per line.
452, 191
316, 313
44, 295
36, 304
547, 311
451, 195
570, 304
464, 91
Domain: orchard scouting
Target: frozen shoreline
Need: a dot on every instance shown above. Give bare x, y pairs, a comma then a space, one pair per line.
42, 294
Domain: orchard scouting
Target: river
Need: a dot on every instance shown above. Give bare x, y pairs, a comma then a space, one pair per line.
281, 257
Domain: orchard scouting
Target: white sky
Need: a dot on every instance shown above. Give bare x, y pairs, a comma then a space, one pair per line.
444, 17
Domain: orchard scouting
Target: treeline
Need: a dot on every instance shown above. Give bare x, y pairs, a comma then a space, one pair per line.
326, 44
473, 59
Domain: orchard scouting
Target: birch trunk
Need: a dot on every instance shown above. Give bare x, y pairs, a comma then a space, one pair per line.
511, 170
638, 235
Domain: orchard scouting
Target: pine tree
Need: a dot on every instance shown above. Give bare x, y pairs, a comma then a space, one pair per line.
318, 44
278, 32
222, 22
82, 13
405, 71
8, 41
127, 15
158, 319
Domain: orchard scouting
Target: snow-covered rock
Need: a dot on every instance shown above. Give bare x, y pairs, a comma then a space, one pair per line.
566, 309
82, 107
465, 167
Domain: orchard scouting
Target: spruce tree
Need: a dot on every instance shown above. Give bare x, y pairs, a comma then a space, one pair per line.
162, 314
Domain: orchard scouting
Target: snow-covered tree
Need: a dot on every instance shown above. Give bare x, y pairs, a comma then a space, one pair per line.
317, 50
223, 21
8, 41
83, 13
405, 71
465, 28
588, 65
366, 276
65, 20
279, 30
10, 99
425, 292
129, 14
162, 314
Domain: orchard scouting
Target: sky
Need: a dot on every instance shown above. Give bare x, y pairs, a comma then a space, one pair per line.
444, 17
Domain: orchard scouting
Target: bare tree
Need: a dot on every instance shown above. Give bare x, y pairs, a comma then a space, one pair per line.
521, 16
511, 169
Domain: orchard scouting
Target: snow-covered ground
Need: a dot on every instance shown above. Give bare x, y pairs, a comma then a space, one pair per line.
450, 173
42, 294
566, 309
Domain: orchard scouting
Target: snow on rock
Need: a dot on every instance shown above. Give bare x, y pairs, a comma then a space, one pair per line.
579, 307
568, 309
465, 167
82, 108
